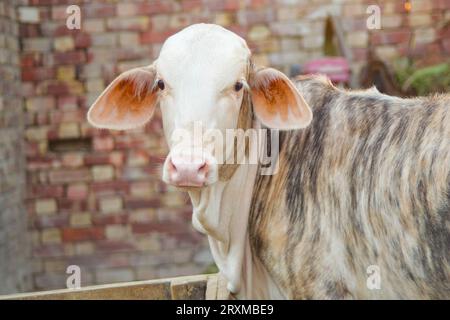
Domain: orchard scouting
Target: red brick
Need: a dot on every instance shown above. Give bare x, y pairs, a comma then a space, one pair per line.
142, 203
99, 10
59, 13
116, 158
42, 162
146, 228
50, 250
188, 5
391, 37
67, 176
77, 191
120, 187
82, 234
155, 6
38, 74
94, 159
152, 37
59, 31
54, 221
258, 3
70, 58
227, 5
107, 219
56, 88
70, 205
30, 60
114, 246
446, 45
103, 143
441, 4
66, 103
29, 30
46, 191
82, 40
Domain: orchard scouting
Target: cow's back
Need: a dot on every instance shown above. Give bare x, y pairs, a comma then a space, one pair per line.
365, 188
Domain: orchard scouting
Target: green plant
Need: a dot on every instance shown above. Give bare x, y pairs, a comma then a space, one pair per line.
422, 81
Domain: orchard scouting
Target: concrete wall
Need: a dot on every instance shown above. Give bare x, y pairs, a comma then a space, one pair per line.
14, 245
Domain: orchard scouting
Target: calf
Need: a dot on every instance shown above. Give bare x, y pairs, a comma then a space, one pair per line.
362, 179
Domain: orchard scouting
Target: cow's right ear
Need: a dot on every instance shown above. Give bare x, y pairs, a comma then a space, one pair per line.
128, 102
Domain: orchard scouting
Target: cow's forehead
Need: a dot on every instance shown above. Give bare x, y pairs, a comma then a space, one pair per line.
205, 50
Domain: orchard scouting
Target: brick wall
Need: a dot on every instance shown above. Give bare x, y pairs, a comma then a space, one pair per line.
14, 246
94, 197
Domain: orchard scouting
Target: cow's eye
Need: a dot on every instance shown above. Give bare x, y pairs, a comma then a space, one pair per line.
161, 85
238, 86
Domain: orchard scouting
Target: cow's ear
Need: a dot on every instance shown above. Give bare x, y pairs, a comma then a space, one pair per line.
128, 102
276, 101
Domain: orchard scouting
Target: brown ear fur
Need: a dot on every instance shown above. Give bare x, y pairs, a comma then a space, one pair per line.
128, 102
276, 101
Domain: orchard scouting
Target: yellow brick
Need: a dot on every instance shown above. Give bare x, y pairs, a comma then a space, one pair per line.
174, 199
45, 206
75, 87
43, 147
418, 20
117, 232
65, 73
391, 21
69, 130
95, 85
55, 266
80, 220
36, 133
111, 204
424, 35
51, 235
142, 189
259, 32
102, 172
387, 52
84, 248
143, 215
357, 39
64, 44
150, 243
261, 59
224, 19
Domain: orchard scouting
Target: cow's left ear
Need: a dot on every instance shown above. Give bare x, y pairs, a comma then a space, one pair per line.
128, 102
276, 101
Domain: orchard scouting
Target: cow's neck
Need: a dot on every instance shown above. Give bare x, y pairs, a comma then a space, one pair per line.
221, 211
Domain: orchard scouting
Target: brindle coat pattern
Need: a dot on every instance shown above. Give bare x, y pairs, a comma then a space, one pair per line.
367, 183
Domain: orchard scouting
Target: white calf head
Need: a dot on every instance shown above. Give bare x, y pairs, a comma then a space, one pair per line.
203, 79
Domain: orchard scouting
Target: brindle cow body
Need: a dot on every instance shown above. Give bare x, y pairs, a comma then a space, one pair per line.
367, 183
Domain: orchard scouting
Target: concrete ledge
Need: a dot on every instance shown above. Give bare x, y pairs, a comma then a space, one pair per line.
197, 287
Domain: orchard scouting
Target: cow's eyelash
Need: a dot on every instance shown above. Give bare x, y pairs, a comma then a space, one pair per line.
245, 83
245, 86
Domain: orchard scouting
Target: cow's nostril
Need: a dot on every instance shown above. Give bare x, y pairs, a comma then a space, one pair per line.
203, 168
185, 171
172, 166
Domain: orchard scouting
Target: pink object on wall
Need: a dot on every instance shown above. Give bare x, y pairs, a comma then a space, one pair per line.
336, 68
